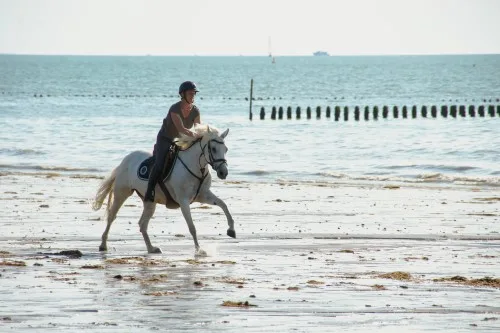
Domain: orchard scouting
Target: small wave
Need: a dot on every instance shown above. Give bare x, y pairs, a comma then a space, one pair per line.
484, 152
422, 179
429, 176
49, 175
440, 167
332, 175
20, 152
47, 168
256, 173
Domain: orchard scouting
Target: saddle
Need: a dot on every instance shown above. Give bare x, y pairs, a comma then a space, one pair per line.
145, 167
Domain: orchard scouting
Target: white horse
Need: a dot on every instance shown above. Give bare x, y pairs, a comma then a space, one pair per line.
188, 182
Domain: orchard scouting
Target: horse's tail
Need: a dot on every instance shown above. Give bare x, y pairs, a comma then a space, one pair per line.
105, 189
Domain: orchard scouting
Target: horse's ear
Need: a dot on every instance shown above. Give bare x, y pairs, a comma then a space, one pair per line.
224, 134
208, 129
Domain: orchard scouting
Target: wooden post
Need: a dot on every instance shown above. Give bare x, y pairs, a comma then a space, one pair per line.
251, 98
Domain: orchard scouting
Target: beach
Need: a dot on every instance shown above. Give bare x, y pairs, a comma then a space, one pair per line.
309, 256
387, 225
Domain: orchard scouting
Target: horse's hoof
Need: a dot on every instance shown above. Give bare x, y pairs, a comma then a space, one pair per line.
103, 248
200, 253
155, 250
231, 233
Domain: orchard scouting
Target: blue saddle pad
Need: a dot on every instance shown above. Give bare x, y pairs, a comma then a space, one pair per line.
145, 168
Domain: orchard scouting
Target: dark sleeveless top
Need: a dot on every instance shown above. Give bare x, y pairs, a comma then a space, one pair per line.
168, 130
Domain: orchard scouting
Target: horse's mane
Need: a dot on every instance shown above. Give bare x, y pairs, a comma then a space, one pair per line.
207, 131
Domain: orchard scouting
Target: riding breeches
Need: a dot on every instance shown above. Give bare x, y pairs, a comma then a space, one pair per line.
160, 152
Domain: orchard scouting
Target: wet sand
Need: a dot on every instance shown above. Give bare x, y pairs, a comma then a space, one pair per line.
308, 257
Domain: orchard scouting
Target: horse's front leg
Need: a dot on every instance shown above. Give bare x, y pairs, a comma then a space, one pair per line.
186, 211
209, 198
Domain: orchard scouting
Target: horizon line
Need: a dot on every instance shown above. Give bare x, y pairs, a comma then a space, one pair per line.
245, 55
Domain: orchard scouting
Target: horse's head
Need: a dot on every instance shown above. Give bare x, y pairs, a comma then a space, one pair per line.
215, 151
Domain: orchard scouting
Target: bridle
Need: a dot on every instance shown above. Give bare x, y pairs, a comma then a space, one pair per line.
210, 160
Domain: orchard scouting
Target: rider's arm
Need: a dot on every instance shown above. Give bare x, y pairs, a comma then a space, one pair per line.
176, 119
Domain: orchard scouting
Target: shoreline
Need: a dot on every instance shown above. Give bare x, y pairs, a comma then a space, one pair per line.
436, 180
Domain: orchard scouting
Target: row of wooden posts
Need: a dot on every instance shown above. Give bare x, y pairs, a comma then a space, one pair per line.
374, 112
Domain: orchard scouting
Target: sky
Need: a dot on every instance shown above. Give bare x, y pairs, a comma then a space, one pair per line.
249, 27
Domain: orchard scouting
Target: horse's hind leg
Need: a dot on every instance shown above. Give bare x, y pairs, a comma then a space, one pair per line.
119, 198
186, 211
147, 213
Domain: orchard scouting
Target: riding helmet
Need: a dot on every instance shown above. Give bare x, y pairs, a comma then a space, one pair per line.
188, 85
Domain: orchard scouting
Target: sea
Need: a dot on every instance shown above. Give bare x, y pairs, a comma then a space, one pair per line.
81, 115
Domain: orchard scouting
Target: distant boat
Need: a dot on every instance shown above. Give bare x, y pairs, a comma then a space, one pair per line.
320, 54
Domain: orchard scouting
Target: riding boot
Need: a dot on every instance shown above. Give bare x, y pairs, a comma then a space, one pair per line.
150, 192
160, 152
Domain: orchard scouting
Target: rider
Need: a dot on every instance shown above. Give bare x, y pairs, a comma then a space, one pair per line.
180, 118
